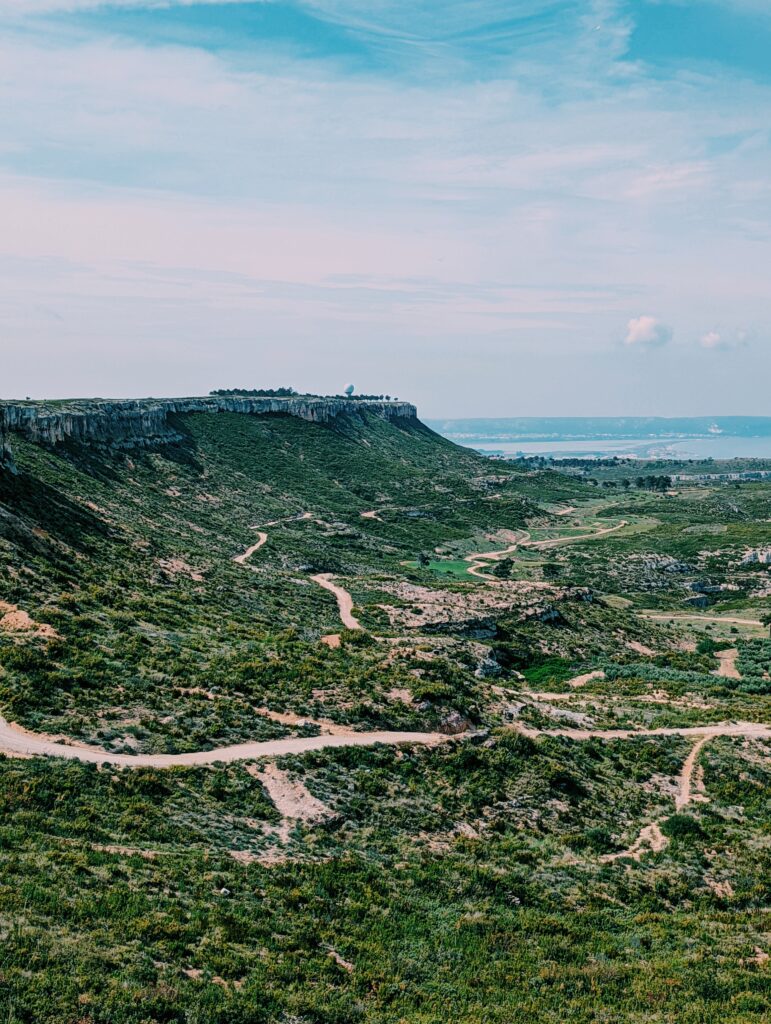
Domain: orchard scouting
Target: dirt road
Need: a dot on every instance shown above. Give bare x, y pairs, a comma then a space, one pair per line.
344, 599
684, 617
480, 559
756, 730
19, 742
553, 542
16, 741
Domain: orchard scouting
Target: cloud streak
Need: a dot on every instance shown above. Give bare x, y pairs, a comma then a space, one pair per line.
525, 210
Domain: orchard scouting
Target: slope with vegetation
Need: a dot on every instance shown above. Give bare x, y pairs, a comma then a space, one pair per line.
582, 838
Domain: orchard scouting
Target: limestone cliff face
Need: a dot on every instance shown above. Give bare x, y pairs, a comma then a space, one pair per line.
142, 421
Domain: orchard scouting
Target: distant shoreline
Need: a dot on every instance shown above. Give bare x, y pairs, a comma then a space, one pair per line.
640, 438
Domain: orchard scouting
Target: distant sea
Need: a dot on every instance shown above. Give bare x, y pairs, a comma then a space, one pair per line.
727, 437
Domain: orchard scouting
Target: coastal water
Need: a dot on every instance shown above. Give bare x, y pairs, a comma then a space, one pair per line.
651, 448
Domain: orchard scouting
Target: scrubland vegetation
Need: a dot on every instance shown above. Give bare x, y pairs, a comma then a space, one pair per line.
484, 879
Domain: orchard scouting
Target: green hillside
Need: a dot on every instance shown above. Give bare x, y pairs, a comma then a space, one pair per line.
509, 863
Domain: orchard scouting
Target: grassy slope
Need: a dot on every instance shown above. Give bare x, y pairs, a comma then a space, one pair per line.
463, 883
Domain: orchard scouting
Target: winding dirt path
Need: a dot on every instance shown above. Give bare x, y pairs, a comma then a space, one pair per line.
16, 741
246, 555
262, 537
651, 839
479, 560
344, 599
553, 542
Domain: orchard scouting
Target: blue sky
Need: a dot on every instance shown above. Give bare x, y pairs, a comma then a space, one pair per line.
537, 207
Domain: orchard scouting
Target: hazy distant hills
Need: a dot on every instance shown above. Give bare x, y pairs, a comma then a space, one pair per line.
601, 427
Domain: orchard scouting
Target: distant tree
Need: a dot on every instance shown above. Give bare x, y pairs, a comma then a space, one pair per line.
551, 570
254, 392
423, 559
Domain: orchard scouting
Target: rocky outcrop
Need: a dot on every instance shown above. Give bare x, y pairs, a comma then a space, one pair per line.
142, 421
758, 556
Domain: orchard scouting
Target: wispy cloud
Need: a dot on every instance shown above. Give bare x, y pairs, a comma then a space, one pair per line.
720, 341
509, 182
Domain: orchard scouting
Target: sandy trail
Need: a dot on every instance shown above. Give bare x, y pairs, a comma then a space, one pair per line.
685, 794
727, 667
553, 542
575, 683
679, 616
262, 536
245, 555
344, 599
651, 839
16, 741
756, 730
372, 514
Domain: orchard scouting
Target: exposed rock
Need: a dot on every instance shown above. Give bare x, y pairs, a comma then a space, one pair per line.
136, 422
578, 594
541, 613
486, 668
474, 629
758, 556
512, 711
454, 724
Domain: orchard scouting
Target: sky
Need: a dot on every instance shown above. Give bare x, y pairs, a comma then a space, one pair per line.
497, 207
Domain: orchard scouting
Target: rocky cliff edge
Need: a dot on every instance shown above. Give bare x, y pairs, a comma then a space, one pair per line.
143, 421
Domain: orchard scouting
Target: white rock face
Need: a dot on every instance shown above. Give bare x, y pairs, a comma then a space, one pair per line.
757, 556
145, 420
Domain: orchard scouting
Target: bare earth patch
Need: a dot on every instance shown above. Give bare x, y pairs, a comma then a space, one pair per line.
179, 567
430, 607
290, 796
14, 620
650, 840
727, 668
635, 645
291, 719
579, 681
